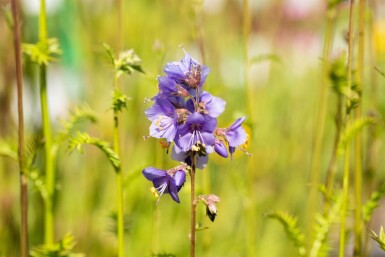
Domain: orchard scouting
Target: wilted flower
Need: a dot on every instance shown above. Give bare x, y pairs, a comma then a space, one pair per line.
211, 208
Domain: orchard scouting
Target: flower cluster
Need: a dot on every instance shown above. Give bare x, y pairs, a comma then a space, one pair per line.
186, 115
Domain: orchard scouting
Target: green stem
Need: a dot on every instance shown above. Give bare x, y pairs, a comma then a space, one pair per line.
320, 122
347, 150
21, 152
358, 222
49, 169
42, 22
193, 205
119, 185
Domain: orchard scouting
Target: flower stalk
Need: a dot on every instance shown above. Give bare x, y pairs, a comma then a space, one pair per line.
193, 205
345, 183
21, 150
49, 160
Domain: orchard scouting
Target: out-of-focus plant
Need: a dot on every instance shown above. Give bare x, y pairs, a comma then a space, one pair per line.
126, 63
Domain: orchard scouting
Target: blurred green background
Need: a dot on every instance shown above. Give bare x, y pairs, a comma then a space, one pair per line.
279, 98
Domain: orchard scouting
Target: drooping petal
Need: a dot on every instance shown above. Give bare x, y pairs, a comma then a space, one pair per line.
220, 148
236, 137
237, 123
180, 178
152, 173
172, 189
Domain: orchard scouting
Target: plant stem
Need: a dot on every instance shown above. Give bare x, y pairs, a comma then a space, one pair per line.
320, 122
21, 151
49, 166
119, 185
193, 205
358, 223
345, 184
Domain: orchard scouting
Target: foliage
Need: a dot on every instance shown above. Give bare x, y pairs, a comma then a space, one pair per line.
63, 248
81, 138
380, 238
373, 203
289, 223
43, 52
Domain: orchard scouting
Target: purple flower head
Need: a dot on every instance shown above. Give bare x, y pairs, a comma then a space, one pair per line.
187, 72
196, 132
208, 104
164, 120
166, 182
234, 135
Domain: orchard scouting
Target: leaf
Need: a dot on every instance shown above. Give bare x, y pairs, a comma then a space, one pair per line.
353, 130
43, 52
109, 53
265, 57
77, 115
373, 203
6, 150
82, 138
381, 71
292, 231
322, 228
119, 101
63, 248
380, 239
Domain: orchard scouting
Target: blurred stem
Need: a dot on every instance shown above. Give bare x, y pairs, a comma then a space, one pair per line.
332, 169
345, 183
193, 205
119, 185
119, 6
358, 222
320, 122
250, 96
21, 152
49, 163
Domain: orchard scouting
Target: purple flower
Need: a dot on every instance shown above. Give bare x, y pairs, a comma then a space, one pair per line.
164, 120
234, 135
168, 88
187, 72
196, 132
165, 183
208, 104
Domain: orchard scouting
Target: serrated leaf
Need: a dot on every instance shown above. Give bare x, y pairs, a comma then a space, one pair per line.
291, 228
373, 203
380, 239
76, 116
63, 248
82, 138
6, 150
43, 52
353, 130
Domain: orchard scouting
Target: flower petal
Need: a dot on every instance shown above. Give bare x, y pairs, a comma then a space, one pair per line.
152, 173
220, 148
236, 137
172, 189
180, 178
237, 123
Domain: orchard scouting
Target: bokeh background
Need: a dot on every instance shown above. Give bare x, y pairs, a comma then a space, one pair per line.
265, 61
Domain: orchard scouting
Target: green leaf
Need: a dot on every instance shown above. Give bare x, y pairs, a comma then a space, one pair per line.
43, 52
352, 131
119, 101
265, 57
6, 150
322, 228
82, 138
380, 239
290, 226
381, 71
63, 248
77, 115
373, 203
